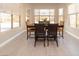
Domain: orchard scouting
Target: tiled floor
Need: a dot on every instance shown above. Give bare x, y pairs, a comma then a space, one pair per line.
23, 47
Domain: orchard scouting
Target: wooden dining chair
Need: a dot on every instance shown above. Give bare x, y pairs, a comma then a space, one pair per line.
39, 33
52, 33
30, 29
60, 30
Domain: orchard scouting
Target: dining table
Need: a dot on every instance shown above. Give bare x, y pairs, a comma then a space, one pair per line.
33, 28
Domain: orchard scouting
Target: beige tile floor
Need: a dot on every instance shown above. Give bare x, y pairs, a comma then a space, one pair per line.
23, 47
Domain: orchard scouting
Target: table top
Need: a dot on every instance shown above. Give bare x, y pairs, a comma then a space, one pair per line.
34, 26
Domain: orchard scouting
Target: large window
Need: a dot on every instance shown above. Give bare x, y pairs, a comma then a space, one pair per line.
44, 14
44, 11
8, 21
72, 16
61, 20
5, 21
73, 11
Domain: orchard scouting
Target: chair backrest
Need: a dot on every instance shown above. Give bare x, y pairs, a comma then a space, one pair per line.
52, 29
39, 28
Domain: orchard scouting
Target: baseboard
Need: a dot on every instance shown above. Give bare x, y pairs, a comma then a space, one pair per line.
7, 41
72, 34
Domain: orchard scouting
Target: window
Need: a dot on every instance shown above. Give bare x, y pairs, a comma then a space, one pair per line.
77, 20
5, 22
16, 21
77, 11
73, 11
72, 16
44, 11
51, 12
51, 19
61, 20
44, 14
8, 21
77, 8
73, 21
61, 11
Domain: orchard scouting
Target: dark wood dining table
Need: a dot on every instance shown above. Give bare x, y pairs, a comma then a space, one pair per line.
32, 28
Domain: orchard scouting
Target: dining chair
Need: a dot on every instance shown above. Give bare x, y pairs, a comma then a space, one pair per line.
52, 33
60, 30
39, 33
30, 30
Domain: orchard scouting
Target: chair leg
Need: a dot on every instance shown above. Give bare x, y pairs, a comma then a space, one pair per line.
56, 41
59, 32
35, 42
62, 34
27, 34
47, 42
44, 42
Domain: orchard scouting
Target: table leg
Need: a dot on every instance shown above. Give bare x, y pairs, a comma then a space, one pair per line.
62, 33
27, 33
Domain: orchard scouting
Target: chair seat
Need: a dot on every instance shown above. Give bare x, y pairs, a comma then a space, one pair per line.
31, 29
40, 35
50, 36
